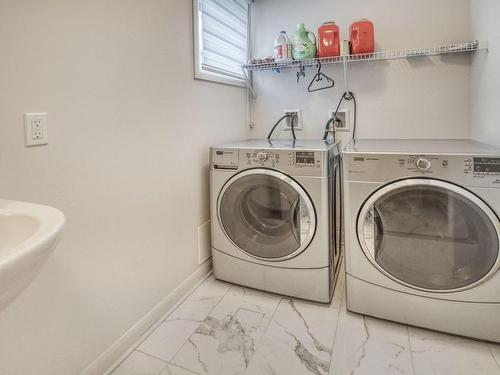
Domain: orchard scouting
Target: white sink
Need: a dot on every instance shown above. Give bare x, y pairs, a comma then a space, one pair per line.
28, 233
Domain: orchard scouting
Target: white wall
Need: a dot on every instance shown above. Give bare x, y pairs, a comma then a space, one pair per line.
486, 72
127, 163
421, 98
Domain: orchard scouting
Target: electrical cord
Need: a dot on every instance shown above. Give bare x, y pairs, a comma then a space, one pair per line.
294, 118
276, 125
346, 96
327, 126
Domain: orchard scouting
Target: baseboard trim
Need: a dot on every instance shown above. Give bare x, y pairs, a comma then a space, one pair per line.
122, 347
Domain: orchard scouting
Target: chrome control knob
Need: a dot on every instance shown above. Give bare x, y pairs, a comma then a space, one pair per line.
423, 164
262, 156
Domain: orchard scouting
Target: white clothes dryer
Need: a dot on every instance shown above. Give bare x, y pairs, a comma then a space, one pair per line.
422, 233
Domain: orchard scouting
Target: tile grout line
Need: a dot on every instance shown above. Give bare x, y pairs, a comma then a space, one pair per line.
270, 321
188, 370
208, 314
342, 301
264, 332
494, 358
136, 349
336, 329
147, 355
163, 319
231, 287
411, 350
190, 294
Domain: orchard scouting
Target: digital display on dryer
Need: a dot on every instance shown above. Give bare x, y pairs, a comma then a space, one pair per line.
487, 165
303, 157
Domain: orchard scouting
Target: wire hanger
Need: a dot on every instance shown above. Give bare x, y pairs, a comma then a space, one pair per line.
318, 78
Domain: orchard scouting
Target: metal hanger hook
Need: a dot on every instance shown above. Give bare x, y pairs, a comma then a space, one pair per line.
318, 74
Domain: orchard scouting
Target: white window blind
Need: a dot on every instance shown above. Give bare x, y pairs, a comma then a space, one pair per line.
224, 36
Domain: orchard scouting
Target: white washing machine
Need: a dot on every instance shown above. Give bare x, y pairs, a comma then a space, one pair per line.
422, 234
274, 206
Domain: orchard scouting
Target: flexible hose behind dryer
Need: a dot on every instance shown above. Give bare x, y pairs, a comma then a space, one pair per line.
294, 118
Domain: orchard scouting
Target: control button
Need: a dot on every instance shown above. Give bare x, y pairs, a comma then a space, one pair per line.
423, 164
262, 156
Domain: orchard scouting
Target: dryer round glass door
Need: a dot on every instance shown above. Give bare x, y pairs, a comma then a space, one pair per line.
430, 235
266, 214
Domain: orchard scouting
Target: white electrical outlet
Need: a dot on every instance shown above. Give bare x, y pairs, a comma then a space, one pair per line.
35, 129
344, 115
288, 120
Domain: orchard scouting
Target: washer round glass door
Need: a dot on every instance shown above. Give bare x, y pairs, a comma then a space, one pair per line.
430, 235
266, 214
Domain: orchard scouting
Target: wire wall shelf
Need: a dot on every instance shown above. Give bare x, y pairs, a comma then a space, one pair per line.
448, 49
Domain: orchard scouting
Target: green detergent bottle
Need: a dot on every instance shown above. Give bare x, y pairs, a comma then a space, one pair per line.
304, 43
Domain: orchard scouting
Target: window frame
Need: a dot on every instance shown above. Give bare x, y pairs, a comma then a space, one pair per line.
206, 75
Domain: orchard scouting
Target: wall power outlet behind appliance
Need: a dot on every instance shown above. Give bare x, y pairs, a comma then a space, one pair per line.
344, 117
288, 120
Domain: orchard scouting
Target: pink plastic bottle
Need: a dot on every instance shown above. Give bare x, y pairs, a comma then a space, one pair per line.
328, 40
362, 37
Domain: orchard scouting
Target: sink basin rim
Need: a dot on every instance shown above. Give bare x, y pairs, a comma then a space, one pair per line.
51, 221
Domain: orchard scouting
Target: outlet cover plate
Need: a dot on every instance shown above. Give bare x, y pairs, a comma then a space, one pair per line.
288, 121
343, 115
35, 129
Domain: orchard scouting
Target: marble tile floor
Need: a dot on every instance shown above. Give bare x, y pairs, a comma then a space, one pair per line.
227, 329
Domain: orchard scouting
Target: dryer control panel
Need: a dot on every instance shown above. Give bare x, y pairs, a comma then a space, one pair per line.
485, 166
467, 170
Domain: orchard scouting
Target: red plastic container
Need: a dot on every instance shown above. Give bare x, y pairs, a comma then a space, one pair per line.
328, 40
362, 37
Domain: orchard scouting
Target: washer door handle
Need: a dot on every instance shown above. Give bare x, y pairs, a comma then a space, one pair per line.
369, 227
295, 220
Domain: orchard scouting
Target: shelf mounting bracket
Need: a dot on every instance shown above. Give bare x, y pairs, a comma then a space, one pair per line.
301, 72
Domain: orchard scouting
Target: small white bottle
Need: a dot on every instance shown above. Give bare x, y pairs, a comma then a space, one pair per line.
282, 48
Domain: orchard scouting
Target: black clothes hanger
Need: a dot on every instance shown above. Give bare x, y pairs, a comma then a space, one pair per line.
318, 78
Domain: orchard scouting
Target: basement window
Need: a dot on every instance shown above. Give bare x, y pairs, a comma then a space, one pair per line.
221, 40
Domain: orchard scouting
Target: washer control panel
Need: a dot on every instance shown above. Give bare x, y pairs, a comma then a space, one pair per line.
283, 159
297, 161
